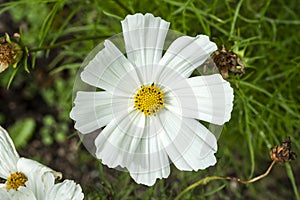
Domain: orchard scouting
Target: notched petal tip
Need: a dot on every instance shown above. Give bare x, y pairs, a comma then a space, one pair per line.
149, 179
67, 190
144, 37
208, 45
140, 20
107, 68
92, 110
187, 53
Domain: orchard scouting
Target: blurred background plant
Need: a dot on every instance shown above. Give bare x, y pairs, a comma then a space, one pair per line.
60, 33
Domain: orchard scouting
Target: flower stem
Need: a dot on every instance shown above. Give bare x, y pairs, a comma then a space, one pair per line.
124, 7
205, 180
67, 42
253, 179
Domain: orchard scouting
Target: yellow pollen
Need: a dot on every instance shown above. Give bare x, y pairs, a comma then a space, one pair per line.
149, 100
16, 180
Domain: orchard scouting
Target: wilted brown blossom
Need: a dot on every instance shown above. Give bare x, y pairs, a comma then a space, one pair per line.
10, 52
227, 61
280, 154
283, 153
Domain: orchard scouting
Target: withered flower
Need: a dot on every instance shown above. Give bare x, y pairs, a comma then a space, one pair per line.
10, 52
279, 154
228, 61
283, 153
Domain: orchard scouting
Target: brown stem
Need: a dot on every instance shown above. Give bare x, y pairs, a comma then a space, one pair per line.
253, 179
210, 178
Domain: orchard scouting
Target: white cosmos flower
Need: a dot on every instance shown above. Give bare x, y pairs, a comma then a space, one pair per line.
28, 179
149, 105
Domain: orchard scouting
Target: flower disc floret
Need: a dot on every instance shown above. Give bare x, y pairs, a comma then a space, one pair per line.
149, 100
15, 180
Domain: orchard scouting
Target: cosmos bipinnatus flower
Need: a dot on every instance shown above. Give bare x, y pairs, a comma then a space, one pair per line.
27, 179
10, 52
148, 104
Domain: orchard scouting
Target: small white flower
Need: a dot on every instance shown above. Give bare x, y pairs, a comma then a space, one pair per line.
148, 103
28, 179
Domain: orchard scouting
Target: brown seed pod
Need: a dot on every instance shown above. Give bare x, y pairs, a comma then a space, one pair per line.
283, 153
10, 52
227, 61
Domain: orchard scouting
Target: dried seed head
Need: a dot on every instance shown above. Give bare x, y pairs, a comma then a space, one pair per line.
283, 153
227, 61
10, 53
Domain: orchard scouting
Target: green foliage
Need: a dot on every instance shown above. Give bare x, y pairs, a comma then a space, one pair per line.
60, 33
32, 20
53, 131
22, 131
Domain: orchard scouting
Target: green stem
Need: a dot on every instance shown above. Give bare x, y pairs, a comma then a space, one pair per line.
67, 42
236, 14
292, 179
124, 7
205, 180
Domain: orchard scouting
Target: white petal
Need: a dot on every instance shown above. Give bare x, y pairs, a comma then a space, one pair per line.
8, 155
144, 37
151, 160
186, 53
23, 193
106, 68
208, 98
119, 139
152, 165
67, 190
92, 110
132, 142
4, 194
188, 143
40, 177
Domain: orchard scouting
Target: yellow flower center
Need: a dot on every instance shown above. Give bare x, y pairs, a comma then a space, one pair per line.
16, 180
149, 100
